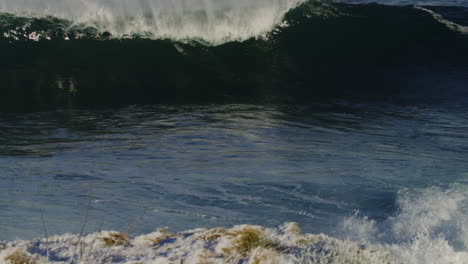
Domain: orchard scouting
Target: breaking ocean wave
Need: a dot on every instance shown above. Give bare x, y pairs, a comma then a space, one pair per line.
311, 161
208, 22
271, 51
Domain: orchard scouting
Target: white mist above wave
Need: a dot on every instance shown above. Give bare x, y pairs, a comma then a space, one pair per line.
213, 21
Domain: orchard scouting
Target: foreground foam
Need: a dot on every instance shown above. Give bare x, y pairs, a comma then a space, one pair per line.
430, 228
240, 244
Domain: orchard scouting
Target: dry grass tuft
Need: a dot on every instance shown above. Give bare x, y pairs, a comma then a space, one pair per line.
304, 241
250, 239
115, 239
19, 257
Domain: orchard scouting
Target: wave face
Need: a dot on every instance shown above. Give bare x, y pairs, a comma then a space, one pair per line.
212, 21
429, 229
270, 51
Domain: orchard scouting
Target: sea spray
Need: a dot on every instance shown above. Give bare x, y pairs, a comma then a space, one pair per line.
430, 228
209, 20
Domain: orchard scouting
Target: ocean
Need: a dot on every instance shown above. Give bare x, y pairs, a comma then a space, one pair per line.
267, 131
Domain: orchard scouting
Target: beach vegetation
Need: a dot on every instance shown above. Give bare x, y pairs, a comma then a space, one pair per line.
19, 257
115, 239
250, 239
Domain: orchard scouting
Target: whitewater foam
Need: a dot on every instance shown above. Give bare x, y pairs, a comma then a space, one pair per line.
240, 244
431, 227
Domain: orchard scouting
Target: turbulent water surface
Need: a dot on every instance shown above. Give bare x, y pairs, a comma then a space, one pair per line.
348, 118
404, 168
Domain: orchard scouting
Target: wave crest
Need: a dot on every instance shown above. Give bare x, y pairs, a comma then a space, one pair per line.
206, 20
207, 23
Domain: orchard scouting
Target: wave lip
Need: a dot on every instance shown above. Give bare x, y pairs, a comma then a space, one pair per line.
449, 24
208, 23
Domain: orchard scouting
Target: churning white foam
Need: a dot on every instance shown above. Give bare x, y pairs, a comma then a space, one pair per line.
431, 227
212, 21
241, 244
